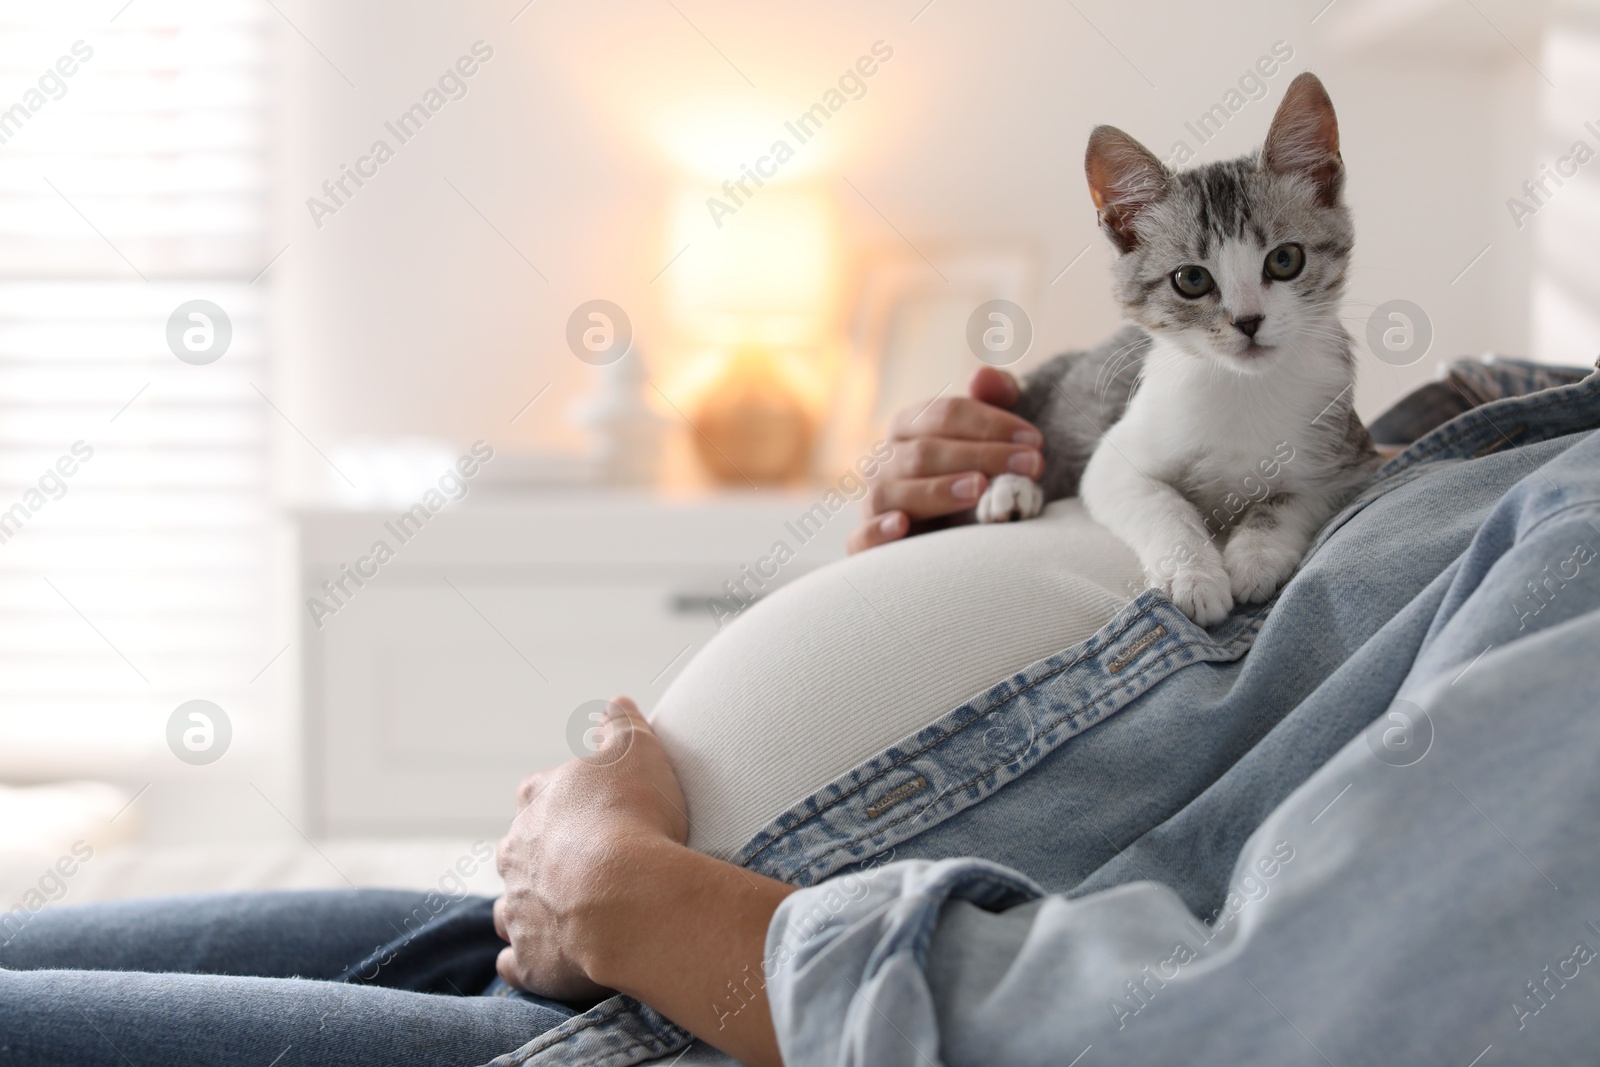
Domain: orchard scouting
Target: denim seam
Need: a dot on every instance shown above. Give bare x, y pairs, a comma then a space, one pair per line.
634, 1053
956, 789
947, 885
588, 1025
1501, 443
841, 798
1453, 432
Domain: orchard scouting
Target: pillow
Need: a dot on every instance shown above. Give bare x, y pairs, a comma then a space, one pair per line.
836, 666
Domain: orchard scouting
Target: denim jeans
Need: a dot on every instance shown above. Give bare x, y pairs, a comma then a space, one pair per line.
287, 978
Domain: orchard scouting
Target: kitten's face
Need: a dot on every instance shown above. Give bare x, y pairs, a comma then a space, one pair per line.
1240, 262
1237, 263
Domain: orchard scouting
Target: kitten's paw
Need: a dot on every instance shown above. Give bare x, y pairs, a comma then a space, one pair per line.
1201, 592
1258, 563
1010, 496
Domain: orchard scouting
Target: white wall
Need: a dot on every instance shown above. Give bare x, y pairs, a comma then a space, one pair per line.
407, 313
1566, 225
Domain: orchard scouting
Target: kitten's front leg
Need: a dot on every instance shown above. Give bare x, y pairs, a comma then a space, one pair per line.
1163, 529
1269, 542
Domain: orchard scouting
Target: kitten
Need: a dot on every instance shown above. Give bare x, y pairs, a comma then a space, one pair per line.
1238, 439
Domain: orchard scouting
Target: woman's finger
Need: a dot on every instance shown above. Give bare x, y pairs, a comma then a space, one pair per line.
500, 919
928, 498
878, 530
505, 966
528, 789
960, 416
994, 386
924, 457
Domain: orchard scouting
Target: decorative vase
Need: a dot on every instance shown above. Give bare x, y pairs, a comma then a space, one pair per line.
751, 429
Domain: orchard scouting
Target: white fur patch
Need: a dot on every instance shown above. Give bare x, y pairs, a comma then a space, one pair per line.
1194, 435
1259, 561
1010, 496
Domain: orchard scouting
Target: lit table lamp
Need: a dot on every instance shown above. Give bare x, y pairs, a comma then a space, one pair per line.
752, 297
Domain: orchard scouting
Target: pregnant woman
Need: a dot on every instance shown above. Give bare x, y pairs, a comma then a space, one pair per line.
1134, 844
354, 977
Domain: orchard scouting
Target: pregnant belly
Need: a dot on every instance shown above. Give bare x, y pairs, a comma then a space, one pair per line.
838, 665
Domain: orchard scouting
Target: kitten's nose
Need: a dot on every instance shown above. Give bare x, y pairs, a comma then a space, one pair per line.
1248, 325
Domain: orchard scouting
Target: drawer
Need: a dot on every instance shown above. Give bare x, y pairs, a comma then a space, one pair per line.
436, 699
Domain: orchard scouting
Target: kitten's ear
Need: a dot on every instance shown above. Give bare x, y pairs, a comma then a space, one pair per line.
1124, 179
1304, 138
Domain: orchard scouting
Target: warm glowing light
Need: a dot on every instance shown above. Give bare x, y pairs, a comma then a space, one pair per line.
764, 274
716, 138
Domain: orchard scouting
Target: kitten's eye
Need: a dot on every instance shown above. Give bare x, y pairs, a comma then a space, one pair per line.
1192, 281
1284, 262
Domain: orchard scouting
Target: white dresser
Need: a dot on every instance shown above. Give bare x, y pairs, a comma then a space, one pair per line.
458, 667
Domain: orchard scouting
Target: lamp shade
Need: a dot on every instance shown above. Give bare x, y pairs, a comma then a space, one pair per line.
763, 271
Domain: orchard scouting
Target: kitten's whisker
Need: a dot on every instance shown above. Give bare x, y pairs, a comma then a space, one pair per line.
1113, 369
1121, 359
1106, 375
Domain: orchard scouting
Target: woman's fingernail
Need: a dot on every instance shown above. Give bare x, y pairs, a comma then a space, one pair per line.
890, 524
1029, 436
1024, 463
967, 487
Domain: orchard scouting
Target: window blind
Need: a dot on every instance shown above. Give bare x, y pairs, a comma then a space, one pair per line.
128, 187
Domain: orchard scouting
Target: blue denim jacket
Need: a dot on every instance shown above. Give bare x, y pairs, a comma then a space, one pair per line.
1370, 841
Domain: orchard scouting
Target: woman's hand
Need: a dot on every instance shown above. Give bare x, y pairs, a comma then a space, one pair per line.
577, 827
601, 894
945, 452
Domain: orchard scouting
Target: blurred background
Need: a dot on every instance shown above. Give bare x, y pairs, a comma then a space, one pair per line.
576, 309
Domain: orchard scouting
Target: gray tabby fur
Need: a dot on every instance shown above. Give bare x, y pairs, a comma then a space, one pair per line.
1074, 398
